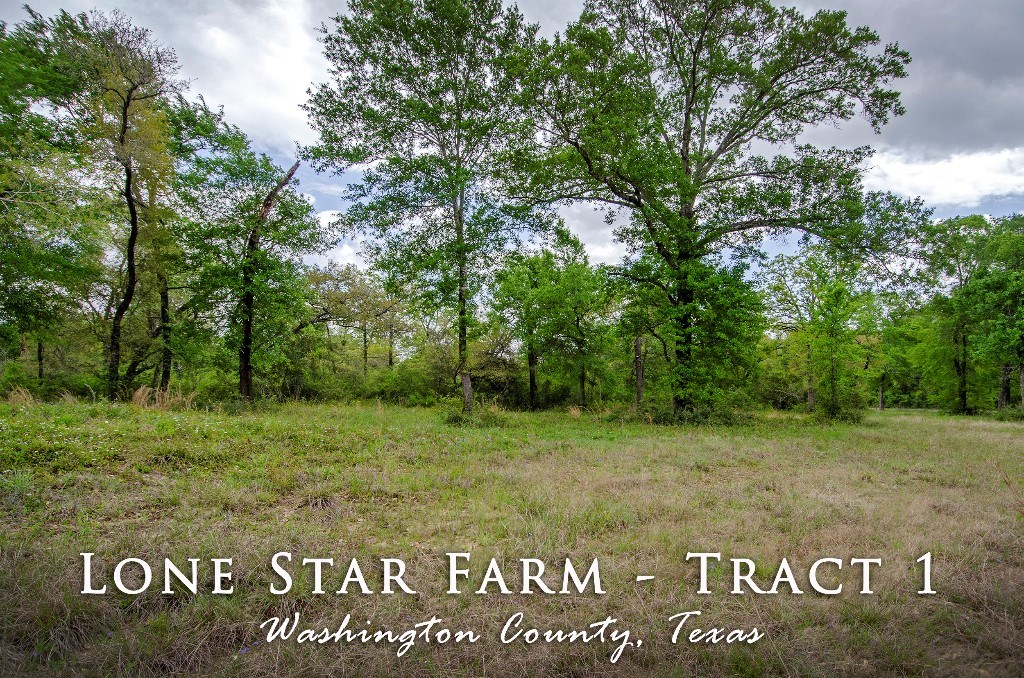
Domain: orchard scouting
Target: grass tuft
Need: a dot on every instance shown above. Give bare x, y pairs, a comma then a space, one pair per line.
19, 395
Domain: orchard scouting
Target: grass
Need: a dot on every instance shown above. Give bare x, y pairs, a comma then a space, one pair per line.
374, 482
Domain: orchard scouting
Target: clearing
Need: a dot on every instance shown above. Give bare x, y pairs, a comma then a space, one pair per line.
372, 482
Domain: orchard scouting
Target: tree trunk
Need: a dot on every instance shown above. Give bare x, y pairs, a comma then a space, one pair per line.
467, 384
154, 382
810, 381
682, 398
833, 406
248, 303
1020, 370
39, 357
366, 352
583, 385
1003, 400
531, 361
391, 347
881, 393
638, 369
245, 349
960, 366
134, 369
166, 355
114, 347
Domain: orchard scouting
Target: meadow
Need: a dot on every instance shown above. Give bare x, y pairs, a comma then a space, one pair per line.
372, 481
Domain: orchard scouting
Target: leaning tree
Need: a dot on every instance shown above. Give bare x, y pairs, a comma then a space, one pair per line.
244, 229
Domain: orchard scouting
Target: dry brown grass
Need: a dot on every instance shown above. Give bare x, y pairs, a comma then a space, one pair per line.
388, 482
143, 396
1018, 495
161, 400
19, 395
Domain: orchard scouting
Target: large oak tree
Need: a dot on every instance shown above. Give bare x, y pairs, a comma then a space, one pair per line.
685, 120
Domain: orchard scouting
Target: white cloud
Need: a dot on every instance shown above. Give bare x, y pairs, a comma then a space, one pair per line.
962, 179
257, 59
325, 217
588, 224
346, 251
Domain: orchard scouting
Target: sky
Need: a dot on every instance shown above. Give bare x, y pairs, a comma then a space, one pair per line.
960, 146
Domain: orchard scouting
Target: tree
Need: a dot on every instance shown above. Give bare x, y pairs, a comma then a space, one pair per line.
820, 305
837, 355
639, 321
882, 343
995, 295
419, 101
558, 306
956, 252
356, 300
577, 304
244, 229
123, 77
519, 299
49, 228
661, 111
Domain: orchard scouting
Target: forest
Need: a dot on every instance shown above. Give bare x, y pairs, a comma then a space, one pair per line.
152, 253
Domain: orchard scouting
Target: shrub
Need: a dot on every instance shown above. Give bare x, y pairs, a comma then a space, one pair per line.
489, 416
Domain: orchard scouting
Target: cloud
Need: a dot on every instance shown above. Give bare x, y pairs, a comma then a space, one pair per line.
588, 224
958, 146
326, 217
345, 251
961, 179
965, 88
257, 59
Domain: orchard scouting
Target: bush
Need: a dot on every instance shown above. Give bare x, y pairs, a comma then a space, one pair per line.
13, 377
843, 416
403, 385
843, 404
723, 407
1008, 414
212, 386
489, 416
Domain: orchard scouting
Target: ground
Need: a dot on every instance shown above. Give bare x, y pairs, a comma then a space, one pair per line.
375, 481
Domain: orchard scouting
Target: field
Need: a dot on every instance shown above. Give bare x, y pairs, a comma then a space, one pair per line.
374, 482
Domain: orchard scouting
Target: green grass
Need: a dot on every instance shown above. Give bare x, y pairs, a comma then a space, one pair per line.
373, 482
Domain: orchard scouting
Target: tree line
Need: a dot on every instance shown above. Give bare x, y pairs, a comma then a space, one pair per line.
151, 251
